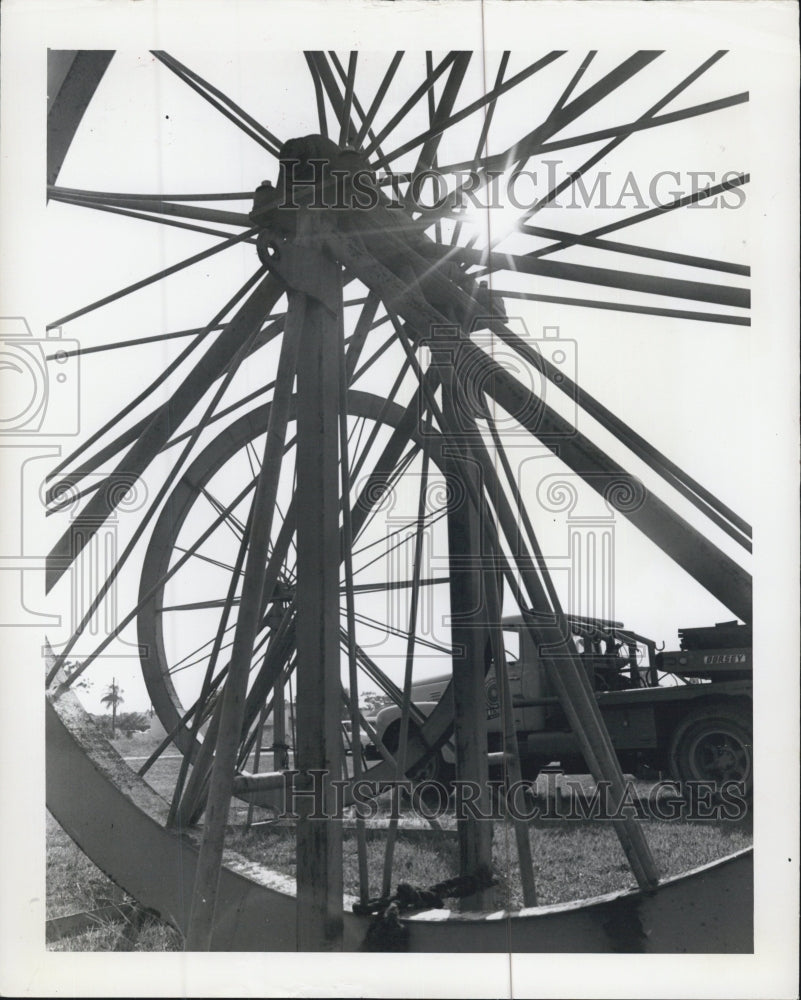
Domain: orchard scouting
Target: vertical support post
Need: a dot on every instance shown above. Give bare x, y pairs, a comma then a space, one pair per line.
510, 744
468, 632
569, 679
319, 742
280, 757
468, 637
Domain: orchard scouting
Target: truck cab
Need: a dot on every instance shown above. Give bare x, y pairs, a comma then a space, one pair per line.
686, 714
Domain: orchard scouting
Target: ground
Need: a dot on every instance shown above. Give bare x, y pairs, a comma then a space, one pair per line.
573, 859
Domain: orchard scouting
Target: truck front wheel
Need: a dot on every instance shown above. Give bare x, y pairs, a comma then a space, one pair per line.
435, 768
713, 743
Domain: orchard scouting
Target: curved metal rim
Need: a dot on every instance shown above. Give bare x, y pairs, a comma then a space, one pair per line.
436, 728
91, 791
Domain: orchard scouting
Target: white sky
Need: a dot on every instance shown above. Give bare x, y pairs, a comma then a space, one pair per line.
685, 385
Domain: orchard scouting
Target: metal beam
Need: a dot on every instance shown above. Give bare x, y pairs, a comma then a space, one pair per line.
469, 635
708, 565
712, 568
319, 742
566, 672
204, 898
72, 79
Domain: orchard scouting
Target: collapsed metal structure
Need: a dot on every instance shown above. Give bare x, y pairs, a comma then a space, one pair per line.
295, 614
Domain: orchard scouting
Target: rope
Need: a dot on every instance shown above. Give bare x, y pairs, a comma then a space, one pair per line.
387, 932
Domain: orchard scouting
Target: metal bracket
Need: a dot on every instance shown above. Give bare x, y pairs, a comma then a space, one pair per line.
296, 262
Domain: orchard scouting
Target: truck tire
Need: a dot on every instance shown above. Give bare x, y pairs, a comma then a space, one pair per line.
713, 743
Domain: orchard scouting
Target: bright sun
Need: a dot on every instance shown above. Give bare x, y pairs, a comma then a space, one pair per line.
491, 223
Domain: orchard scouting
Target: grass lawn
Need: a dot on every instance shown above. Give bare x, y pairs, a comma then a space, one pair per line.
572, 859
74, 884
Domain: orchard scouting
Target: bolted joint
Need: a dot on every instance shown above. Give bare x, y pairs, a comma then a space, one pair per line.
313, 173
304, 263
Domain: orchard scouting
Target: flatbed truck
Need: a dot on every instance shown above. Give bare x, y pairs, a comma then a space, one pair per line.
685, 714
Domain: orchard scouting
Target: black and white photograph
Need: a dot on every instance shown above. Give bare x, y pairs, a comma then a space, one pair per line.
399, 446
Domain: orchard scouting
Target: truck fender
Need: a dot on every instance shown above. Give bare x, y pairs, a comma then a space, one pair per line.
392, 713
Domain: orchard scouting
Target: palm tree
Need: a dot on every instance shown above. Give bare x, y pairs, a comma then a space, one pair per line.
113, 697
